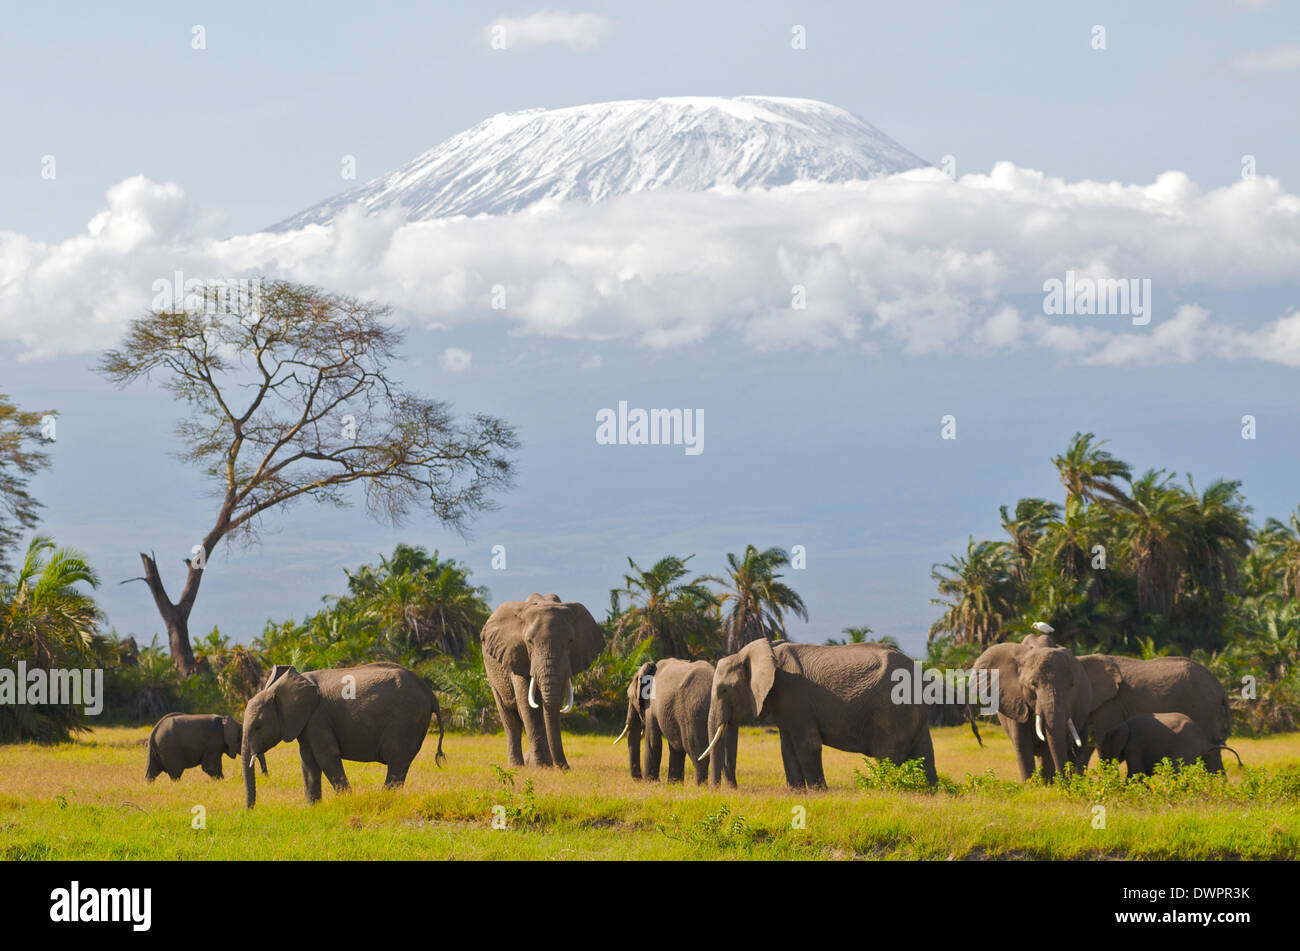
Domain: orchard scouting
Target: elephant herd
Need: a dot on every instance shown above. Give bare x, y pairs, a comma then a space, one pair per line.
1048, 700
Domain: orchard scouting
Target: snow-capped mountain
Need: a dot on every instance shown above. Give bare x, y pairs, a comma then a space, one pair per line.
593, 152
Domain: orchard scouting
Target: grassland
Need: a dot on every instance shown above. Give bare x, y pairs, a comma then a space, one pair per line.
88, 800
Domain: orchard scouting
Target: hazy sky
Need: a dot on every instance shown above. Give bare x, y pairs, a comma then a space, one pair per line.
822, 432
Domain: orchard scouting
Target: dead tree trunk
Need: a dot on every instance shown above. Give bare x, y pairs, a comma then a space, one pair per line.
175, 617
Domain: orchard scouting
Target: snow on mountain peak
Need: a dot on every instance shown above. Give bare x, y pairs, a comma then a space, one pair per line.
598, 151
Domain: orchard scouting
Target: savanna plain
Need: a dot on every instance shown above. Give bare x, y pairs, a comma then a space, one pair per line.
88, 799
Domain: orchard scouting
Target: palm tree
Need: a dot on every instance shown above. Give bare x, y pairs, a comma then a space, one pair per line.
758, 599
860, 635
1160, 522
979, 593
1026, 528
1280, 544
1089, 473
421, 601
47, 621
44, 618
665, 609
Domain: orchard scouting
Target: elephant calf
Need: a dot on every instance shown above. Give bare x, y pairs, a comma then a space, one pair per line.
669, 701
1144, 740
180, 741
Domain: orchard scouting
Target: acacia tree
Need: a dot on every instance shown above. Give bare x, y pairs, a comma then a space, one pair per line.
296, 400
20, 433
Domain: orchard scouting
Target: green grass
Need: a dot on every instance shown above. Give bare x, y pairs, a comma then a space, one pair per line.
88, 800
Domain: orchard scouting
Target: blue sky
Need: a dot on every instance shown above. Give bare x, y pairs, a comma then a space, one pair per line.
832, 445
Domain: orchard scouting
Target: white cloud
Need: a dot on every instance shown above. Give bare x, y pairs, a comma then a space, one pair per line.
914, 262
455, 360
1283, 59
579, 31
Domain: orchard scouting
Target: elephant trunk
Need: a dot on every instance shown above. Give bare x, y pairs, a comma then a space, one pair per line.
1055, 725
553, 685
715, 751
633, 731
729, 764
250, 777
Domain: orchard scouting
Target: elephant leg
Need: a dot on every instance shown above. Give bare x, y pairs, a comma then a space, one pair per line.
676, 765
310, 774
1022, 741
211, 765
1213, 761
332, 767
809, 750
654, 749
175, 774
790, 760
396, 774
701, 769
923, 749
514, 727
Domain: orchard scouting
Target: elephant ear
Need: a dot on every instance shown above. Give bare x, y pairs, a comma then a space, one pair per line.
762, 672
1103, 675
636, 697
1004, 659
588, 638
503, 637
232, 733
296, 699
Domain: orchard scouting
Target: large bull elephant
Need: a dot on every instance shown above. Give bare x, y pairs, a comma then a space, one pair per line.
1044, 699
668, 701
1123, 687
531, 651
837, 696
378, 713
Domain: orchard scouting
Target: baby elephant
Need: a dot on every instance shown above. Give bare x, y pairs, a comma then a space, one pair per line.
182, 740
669, 702
1144, 740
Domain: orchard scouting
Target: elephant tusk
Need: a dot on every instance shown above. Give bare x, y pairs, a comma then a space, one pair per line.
531, 702
1074, 733
568, 697
621, 735
1038, 726
705, 754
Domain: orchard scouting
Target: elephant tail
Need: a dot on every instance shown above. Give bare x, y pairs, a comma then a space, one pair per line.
438, 757
1233, 752
974, 727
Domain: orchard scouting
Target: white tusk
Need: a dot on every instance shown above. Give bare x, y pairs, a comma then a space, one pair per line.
1038, 726
621, 735
568, 699
705, 754
1074, 733
531, 702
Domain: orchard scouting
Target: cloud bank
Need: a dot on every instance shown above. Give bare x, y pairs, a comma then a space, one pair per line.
579, 31
915, 262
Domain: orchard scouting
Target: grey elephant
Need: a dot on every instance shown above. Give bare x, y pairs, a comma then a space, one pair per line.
837, 696
531, 651
668, 701
1144, 740
1044, 699
378, 713
180, 741
1125, 686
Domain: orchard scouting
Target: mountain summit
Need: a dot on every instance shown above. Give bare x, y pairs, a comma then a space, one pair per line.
594, 152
